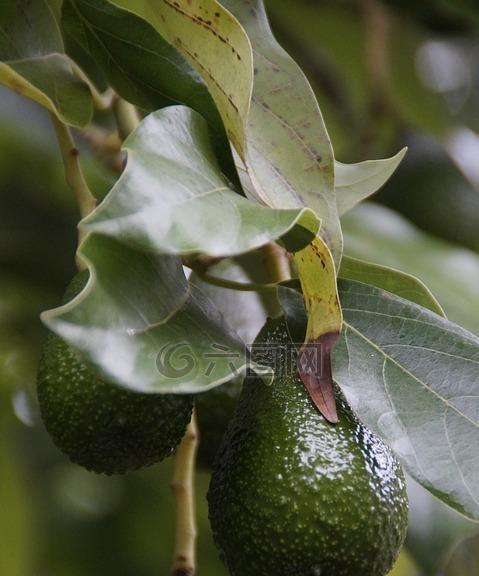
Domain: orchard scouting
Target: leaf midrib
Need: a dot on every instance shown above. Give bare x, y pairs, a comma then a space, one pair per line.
413, 376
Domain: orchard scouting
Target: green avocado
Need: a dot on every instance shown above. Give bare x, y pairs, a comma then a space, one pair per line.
291, 494
99, 425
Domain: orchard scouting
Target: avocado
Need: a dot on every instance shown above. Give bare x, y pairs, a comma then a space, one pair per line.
293, 495
214, 409
99, 425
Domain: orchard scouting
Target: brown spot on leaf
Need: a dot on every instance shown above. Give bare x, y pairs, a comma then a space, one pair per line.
314, 369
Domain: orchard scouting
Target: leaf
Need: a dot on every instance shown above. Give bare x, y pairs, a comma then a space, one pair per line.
244, 311
282, 143
318, 281
355, 182
411, 376
141, 324
33, 62
290, 157
377, 234
395, 281
204, 33
173, 199
140, 65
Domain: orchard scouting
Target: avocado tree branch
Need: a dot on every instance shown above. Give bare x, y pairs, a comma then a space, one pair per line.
101, 100
182, 485
276, 263
73, 172
240, 286
127, 117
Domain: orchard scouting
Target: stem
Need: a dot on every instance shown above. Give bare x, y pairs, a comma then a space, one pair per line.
101, 101
240, 286
182, 485
377, 27
127, 117
105, 146
73, 173
276, 263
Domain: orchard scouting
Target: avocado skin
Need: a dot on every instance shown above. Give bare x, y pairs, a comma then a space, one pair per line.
292, 495
99, 425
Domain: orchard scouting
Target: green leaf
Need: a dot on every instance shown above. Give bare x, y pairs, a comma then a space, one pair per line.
290, 157
244, 311
173, 199
411, 376
355, 182
395, 281
285, 157
377, 234
140, 65
33, 62
142, 325
215, 45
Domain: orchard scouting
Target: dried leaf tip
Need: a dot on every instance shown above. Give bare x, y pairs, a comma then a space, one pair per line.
314, 369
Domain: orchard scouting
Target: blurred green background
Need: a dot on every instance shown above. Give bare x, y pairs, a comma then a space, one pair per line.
386, 75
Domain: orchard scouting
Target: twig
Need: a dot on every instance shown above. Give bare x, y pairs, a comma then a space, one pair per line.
104, 145
101, 101
277, 267
73, 173
240, 286
182, 485
377, 26
276, 262
127, 117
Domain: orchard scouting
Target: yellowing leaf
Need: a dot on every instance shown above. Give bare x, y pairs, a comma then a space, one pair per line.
203, 31
317, 275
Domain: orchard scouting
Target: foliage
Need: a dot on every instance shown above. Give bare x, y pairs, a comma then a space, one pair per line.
232, 153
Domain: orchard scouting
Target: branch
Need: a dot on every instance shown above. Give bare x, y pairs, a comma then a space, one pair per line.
105, 146
73, 173
127, 117
101, 101
232, 285
182, 485
276, 262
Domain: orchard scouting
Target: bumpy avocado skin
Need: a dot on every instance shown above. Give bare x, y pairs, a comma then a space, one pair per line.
292, 495
102, 427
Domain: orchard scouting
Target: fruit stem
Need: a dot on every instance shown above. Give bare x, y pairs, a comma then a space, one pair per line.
182, 485
276, 263
73, 173
232, 285
127, 117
